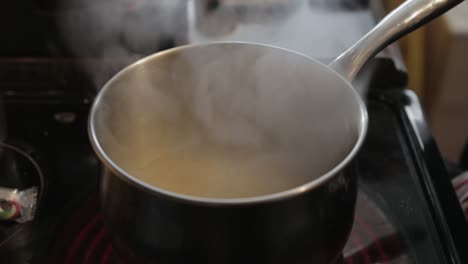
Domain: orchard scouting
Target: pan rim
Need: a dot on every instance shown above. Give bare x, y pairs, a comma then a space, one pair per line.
289, 193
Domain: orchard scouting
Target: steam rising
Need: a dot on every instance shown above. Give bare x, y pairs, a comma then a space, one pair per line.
271, 119
320, 29
115, 33
122, 31
228, 119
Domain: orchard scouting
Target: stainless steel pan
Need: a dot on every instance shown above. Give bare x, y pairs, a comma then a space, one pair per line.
316, 103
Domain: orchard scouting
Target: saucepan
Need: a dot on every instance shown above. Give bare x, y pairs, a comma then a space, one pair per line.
248, 95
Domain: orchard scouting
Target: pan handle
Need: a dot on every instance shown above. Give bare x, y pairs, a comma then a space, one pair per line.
409, 16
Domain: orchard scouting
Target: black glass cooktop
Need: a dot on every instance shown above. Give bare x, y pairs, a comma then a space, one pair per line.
407, 211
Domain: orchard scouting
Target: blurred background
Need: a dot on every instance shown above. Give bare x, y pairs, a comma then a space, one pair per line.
436, 57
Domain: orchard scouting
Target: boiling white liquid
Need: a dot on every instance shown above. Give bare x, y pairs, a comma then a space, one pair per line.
186, 159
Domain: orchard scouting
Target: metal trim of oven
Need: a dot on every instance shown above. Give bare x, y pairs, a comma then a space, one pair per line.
448, 216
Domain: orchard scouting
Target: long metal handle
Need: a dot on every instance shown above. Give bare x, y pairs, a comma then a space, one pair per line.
409, 16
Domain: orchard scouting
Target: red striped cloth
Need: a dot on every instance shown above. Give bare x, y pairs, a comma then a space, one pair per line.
460, 184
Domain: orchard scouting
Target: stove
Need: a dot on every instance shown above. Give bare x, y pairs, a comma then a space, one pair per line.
407, 210
374, 238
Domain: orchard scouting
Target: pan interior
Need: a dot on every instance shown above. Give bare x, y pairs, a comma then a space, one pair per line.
227, 120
